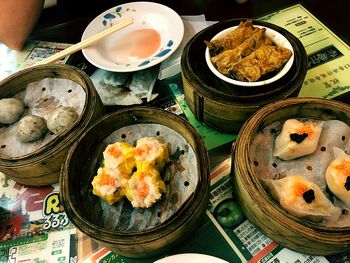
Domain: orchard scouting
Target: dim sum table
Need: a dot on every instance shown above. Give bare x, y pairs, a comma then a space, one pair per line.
33, 227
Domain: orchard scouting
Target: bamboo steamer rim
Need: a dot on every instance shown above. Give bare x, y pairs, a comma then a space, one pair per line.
64, 139
328, 235
248, 100
175, 221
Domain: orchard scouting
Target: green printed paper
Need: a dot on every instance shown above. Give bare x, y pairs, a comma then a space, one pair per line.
328, 73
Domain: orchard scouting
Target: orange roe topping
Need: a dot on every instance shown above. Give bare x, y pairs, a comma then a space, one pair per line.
143, 191
142, 150
142, 176
106, 179
306, 128
115, 152
300, 188
143, 187
343, 167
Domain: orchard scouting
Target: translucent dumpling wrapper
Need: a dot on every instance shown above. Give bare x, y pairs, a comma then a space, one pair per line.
145, 187
338, 176
150, 151
335, 133
109, 185
297, 139
302, 198
120, 88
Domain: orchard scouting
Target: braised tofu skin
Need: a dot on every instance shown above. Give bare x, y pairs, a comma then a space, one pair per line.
247, 53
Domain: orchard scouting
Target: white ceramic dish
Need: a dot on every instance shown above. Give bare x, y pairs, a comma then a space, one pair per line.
156, 32
190, 258
278, 38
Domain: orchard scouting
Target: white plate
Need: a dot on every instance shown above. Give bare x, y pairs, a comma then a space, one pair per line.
155, 34
278, 38
191, 258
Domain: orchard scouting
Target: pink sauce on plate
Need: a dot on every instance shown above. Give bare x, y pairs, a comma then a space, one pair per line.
137, 45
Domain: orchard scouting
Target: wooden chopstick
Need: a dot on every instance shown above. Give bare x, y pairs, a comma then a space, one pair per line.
85, 43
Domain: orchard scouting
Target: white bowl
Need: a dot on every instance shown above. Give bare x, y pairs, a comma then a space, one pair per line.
155, 34
278, 38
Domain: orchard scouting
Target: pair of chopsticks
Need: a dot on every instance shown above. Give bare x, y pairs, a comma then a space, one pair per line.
85, 43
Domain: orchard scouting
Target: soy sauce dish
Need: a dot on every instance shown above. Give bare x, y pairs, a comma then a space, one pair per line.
156, 32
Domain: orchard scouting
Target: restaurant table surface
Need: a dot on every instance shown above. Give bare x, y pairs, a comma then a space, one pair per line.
334, 14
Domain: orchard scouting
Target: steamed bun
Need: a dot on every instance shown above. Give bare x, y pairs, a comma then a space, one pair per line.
61, 119
31, 128
11, 109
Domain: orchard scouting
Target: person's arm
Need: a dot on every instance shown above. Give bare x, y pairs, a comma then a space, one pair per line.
17, 20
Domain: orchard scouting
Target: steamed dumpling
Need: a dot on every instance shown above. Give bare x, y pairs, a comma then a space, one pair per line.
145, 187
149, 151
109, 185
297, 139
62, 119
302, 198
11, 109
338, 176
31, 128
119, 155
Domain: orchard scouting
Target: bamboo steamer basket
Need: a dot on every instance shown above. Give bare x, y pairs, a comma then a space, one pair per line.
42, 166
225, 106
105, 223
290, 231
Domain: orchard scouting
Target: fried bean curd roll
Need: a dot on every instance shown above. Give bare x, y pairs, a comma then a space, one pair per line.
302, 198
109, 185
120, 156
150, 151
265, 59
225, 60
244, 30
145, 187
338, 176
297, 139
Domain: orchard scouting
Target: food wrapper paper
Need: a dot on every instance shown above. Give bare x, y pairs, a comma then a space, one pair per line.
181, 177
41, 98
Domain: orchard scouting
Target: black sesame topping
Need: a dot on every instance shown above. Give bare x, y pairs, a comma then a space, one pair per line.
347, 183
309, 196
298, 138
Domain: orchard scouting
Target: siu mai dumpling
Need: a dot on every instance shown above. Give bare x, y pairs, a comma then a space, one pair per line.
338, 176
120, 156
302, 198
297, 139
149, 151
109, 185
145, 187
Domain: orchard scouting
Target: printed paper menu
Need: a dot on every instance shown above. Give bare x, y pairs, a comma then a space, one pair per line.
328, 73
33, 52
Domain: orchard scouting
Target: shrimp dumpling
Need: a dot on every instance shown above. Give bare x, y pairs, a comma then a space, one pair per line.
302, 198
145, 187
338, 176
297, 139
